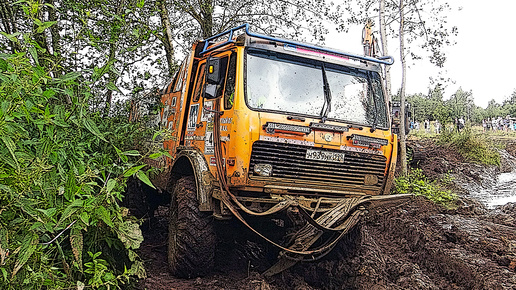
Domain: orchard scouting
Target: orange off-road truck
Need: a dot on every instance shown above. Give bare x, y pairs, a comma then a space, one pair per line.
267, 127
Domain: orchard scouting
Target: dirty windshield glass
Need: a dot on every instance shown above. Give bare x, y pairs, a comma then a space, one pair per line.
277, 82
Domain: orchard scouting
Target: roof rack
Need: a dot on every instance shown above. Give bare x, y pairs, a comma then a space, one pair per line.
387, 60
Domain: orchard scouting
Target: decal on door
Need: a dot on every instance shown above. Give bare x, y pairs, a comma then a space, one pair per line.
207, 116
192, 117
208, 143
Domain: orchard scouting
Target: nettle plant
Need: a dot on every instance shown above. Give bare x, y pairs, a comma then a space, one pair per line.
63, 171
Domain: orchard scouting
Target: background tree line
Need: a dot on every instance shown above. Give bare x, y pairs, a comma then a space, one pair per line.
436, 106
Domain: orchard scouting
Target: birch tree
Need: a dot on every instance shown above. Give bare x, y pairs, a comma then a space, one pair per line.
422, 30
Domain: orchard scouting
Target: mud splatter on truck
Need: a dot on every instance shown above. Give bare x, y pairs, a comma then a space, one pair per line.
262, 127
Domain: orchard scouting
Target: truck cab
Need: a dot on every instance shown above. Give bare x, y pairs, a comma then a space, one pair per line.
259, 125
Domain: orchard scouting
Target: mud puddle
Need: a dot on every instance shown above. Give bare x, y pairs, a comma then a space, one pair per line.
503, 191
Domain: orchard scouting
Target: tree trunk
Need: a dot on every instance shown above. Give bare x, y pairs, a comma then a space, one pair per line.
55, 54
168, 39
207, 18
403, 147
112, 77
9, 23
383, 39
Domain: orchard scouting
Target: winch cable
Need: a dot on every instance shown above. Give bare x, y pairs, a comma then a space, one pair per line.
227, 197
308, 235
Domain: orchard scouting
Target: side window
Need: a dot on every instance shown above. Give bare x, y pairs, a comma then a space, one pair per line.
223, 66
180, 75
229, 93
198, 85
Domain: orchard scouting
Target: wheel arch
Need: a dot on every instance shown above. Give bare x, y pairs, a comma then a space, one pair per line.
192, 162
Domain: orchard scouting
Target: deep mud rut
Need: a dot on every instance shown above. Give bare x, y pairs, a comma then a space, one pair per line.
415, 245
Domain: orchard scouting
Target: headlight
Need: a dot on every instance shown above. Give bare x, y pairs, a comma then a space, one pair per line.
263, 169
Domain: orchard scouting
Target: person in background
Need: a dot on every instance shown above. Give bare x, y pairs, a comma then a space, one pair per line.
437, 127
484, 125
461, 123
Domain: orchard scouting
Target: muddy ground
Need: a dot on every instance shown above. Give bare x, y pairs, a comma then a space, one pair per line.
415, 245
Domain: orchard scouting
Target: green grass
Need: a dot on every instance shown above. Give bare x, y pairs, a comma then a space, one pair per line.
418, 184
474, 147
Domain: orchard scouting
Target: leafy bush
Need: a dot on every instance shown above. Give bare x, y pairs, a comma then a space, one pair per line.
63, 169
473, 147
418, 184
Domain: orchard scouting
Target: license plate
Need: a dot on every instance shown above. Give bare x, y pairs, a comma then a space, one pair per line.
328, 156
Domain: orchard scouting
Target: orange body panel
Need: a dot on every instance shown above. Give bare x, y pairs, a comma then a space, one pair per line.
191, 126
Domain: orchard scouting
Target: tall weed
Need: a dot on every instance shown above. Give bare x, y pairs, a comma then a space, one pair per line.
63, 170
473, 147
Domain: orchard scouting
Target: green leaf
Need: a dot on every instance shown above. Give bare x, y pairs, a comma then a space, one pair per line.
85, 218
3, 65
156, 135
120, 154
131, 153
133, 170
112, 87
4, 273
69, 76
156, 155
34, 54
140, 4
103, 214
71, 209
92, 127
12, 37
166, 153
45, 25
71, 186
144, 178
5, 188
110, 185
130, 234
60, 123
50, 212
35, 226
9, 143
30, 241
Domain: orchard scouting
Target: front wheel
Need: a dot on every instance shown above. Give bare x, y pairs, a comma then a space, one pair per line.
191, 238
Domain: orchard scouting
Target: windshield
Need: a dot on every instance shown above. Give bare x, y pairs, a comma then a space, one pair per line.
280, 82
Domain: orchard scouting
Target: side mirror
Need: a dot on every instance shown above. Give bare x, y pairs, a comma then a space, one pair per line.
212, 78
213, 71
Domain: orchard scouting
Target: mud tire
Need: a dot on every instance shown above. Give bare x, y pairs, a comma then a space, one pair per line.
191, 237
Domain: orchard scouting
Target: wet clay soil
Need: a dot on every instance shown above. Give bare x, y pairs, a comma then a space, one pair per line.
415, 245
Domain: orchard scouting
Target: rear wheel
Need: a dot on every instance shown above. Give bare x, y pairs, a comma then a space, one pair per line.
191, 238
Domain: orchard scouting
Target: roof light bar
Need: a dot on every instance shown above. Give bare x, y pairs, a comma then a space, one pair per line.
387, 60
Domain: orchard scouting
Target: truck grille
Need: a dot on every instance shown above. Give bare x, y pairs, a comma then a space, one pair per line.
290, 165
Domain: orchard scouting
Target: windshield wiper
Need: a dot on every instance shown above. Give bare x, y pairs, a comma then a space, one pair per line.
327, 97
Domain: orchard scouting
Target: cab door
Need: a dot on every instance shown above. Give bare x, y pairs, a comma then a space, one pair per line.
200, 124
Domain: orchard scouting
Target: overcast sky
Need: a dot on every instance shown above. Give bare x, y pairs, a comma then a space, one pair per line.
480, 62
